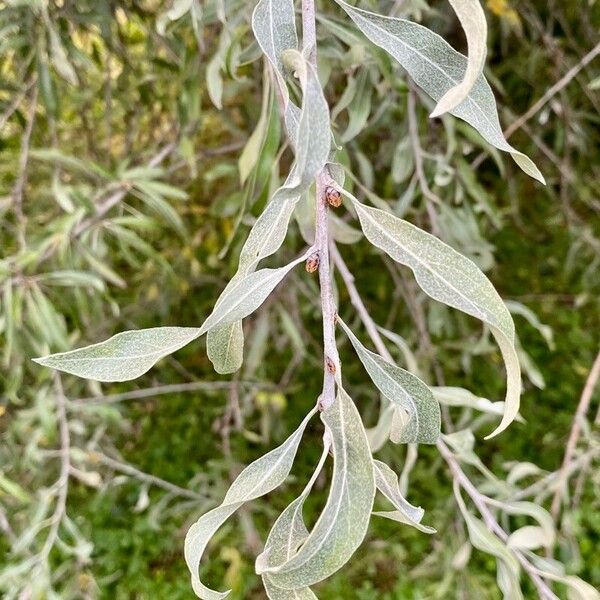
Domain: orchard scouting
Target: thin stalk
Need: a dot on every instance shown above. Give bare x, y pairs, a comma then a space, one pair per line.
582, 409
331, 358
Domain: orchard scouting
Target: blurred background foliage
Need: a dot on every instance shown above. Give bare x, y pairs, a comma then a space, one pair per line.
137, 145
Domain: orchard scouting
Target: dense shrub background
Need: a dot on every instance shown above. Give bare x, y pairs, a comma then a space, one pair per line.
90, 90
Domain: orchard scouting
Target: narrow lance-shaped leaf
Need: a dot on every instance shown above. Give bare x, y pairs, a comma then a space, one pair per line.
342, 525
285, 537
274, 26
225, 343
451, 278
387, 483
123, 357
472, 18
436, 68
245, 294
257, 479
130, 354
406, 391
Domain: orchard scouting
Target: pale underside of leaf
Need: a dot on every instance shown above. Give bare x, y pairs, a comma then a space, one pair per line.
406, 391
274, 27
472, 18
342, 525
436, 68
257, 479
123, 357
451, 278
387, 483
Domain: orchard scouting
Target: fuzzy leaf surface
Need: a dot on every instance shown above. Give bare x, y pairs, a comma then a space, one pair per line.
406, 391
124, 356
436, 67
342, 525
451, 278
257, 479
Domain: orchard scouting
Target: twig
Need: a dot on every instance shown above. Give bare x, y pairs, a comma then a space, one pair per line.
309, 30
582, 408
17, 193
329, 310
458, 474
62, 484
538, 488
17, 99
132, 471
489, 519
413, 131
552, 91
161, 390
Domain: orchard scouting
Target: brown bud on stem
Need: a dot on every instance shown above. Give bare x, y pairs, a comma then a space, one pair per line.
312, 263
333, 197
330, 365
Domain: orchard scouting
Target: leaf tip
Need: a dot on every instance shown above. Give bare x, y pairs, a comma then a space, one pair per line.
438, 111
502, 427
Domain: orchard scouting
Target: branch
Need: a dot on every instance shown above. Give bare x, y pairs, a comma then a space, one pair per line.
551, 92
331, 358
132, 471
160, 390
65, 467
582, 408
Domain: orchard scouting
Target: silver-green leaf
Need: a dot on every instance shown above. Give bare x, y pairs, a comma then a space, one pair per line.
387, 483
449, 277
124, 356
437, 68
342, 525
257, 479
406, 392
245, 294
286, 536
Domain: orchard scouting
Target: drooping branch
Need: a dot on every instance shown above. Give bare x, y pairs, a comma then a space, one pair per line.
478, 499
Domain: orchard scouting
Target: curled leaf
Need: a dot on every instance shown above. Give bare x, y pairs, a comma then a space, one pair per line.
437, 68
387, 483
472, 18
285, 537
257, 479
